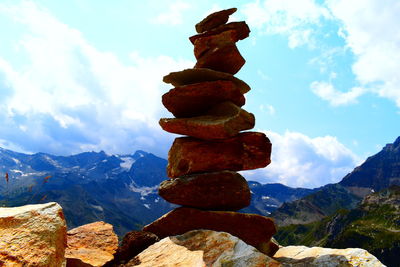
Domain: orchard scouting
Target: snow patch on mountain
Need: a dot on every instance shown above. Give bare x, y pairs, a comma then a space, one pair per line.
144, 190
127, 162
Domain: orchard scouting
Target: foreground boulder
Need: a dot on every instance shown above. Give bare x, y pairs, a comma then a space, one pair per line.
224, 190
255, 230
91, 244
32, 235
317, 256
202, 248
246, 151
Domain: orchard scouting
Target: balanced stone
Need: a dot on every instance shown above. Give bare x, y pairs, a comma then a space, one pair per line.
214, 20
224, 190
196, 99
198, 75
223, 121
226, 59
255, 230
240, 27
203, 45
246, 151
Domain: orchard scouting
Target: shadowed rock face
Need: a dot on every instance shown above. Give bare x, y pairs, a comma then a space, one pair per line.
196, 99
205, 44
202, 248
198, 75
254, 230
223, 121
214, 20
246, 151
215, 191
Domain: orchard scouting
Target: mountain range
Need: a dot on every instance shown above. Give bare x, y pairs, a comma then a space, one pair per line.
118, 189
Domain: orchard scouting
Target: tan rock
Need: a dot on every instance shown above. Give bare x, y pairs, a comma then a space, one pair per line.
246, 151
214, 20
223, 121
196, 99
202, 248
32, 235
225, 59
253, 229
91, 244
240, 27
190, 76
317, 256
203, 45
224, 190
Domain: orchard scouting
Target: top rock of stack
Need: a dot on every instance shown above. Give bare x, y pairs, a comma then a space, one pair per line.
214, 20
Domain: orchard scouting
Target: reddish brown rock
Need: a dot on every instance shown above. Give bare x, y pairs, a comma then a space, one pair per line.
195, 99
224, 190
240, 27
246, 151
226, 59
203, 45
223, 121
214, 20
132, 244
255, 230
91, 244
191, 76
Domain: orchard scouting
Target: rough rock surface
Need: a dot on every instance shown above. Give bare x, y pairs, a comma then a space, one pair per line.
226, 59
253, 229
203, 45
223, 121
317, 256
224, 190
132, 244
91, 244
202, 248
246, 151
190, 76
241, 28
32, 235
196, 99
214, 20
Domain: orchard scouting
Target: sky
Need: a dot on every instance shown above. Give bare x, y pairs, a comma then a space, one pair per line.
86, 75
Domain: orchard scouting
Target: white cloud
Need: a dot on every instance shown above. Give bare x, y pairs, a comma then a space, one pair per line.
173, 15
370, 28
294, 18
301, 161
327, 92
269, 109
70, 96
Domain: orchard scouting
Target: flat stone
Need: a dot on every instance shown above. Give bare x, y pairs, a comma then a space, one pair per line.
198, 75
240, 27
254, 230
214, 20
196, 99
205, 44
225, 59
223, 121
92, 244
298, 256
33, 235
203, 248
224, 190
246, 151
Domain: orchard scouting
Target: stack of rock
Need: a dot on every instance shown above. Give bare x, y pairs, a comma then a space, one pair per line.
206, 103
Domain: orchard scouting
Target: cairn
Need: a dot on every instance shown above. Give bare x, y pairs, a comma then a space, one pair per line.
203, 165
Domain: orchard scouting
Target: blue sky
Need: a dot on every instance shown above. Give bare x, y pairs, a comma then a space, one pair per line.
87, 75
